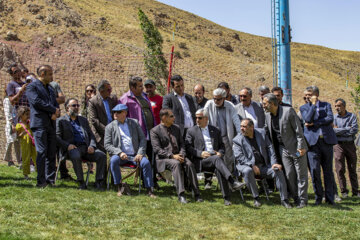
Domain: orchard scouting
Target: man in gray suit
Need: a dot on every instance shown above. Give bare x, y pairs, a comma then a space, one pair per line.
77, 142
126, 143
284, 128
254, 156
250, 109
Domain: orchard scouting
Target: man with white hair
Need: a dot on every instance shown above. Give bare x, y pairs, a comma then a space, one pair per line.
222, 114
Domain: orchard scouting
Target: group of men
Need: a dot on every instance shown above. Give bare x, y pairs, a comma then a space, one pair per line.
231, 136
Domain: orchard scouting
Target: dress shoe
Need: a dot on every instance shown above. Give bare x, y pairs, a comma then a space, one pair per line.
198, 199
337, 198
318, 202
41, 185
207, 186
182, 199
302, 204
99, 186
227, 202
11, 163
257, 203
237, 185
286, 203
331, 203
82, 185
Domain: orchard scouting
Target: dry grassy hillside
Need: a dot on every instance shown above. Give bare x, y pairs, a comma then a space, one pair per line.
209, 52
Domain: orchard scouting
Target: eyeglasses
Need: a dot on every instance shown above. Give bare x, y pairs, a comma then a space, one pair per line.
217, 99
200, 118
75, 105
90, 90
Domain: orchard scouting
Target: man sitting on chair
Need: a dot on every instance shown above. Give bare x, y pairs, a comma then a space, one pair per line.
77, 142
204, 143
169, 150
126, 143
255, 156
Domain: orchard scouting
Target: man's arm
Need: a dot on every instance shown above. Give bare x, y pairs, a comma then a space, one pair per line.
189, 145
15, 97
59, 132
236, 120
108, 142
240, 153
350, 130
37, 102
156, 144
167, 102
142, 139
89, 133
296, 125
94, 122
270, 150
326, 120
308, 112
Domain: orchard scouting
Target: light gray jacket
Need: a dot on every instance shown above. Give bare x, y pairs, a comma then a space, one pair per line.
259, 112
290, 129
112, 139
231, 117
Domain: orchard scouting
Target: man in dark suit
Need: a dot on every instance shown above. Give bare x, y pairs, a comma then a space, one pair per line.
169, 149
250, 109
286, 133
255, 156
279, 93
199, 99
204, 144
43, 112
321, 137
77, 142
181, 104
99, 109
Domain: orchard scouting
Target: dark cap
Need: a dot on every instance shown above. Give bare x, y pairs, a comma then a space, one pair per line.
149, 81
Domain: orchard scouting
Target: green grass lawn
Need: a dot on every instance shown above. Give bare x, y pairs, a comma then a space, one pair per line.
63, 212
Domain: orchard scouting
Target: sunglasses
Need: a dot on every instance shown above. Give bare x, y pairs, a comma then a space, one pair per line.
90, 91
218, 99
75, 105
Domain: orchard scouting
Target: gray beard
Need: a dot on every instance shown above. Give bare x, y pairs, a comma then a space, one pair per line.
72, 113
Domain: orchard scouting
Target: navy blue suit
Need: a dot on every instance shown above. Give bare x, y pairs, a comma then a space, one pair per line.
43, 104
321, 138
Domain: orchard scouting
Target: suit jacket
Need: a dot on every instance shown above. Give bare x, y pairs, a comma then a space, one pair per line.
322, 120
112, 140
172, 102
161, 144
42, 104
290, 129
243, 152
199, 105
195, 144
65, 134
97, 115
259, 112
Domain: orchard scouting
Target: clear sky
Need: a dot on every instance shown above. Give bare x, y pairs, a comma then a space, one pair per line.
330, 23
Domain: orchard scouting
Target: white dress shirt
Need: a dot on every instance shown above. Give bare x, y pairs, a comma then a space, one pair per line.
188, 121
207, 139
250, 113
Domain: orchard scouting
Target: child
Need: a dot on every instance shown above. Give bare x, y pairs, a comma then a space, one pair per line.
27, 143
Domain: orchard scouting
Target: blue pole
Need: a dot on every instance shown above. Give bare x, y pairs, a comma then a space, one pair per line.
284, 39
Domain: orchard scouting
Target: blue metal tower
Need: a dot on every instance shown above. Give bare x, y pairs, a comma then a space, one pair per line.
281, 38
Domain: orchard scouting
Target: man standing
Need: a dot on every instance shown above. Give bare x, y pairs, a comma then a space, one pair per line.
43, 112
222, 114
16, 88
204, 144
229, 96
181, 104
169, 149
155, 99
345, 127
255, 156
286, 134
321, 137
250, 109
77, 142
126, 143
100, 111
278, 92
199, 99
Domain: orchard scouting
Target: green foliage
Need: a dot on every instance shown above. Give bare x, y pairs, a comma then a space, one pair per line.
356, 94
155, 63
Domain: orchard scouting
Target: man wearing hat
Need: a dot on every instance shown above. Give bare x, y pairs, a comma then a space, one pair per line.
155, 99
126, 143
